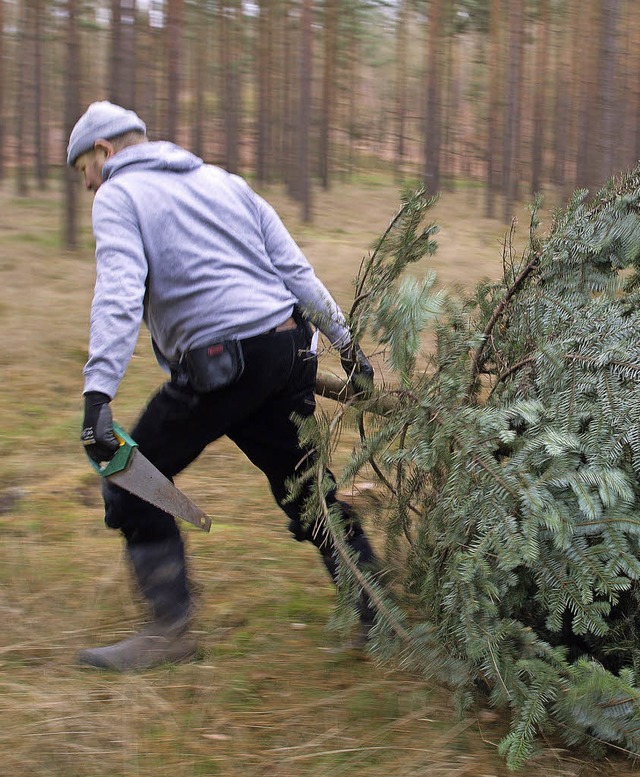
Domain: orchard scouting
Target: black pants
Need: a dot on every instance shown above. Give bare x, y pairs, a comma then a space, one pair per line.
175, 427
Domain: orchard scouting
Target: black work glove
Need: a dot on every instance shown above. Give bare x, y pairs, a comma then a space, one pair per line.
358, 368
97, 428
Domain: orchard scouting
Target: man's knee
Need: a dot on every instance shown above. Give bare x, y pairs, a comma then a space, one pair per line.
136, 519
115, 505
317, 532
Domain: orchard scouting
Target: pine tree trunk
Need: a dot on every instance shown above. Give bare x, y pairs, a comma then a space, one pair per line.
22, 180
3, 43
328, 89
587, 68
150, 73
174, 56
231, 10
351, 86
198, 80
402, 16
273, 166
450, 90
433, 119
290, 114
607, 103
277, 115
635, 78
71, 115
115, 58
304, 121
264, 74
39, 125
128, 42
564, 85
628, 93
495, 70
513, 100
540, 111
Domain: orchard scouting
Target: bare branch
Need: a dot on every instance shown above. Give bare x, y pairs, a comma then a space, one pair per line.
357, 573
500, 308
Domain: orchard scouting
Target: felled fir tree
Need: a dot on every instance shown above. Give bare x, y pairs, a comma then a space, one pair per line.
510, 469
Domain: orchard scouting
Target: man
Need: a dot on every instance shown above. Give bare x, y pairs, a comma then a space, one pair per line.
226, 293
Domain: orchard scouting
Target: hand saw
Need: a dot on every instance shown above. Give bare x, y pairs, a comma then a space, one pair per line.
130, 470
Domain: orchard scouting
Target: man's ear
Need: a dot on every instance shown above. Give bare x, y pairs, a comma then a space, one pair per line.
103, 145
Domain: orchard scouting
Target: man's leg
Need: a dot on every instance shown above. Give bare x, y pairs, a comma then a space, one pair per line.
276, 461
269, 438
154, 547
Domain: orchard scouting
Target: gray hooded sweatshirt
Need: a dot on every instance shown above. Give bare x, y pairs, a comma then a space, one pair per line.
195, 253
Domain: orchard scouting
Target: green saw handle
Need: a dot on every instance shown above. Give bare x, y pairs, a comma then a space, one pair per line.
120, 458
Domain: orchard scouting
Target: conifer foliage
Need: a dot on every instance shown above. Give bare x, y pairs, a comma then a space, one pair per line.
510, 468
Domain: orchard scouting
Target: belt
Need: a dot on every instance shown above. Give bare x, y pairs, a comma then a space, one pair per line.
178, 371
290, 323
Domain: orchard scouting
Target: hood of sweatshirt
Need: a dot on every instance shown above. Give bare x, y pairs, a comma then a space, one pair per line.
160, 155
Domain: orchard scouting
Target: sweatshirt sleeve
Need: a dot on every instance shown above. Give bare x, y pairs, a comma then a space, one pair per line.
300, 278
118, 301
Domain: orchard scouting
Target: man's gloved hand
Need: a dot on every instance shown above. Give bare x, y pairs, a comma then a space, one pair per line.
358, 368
97, 429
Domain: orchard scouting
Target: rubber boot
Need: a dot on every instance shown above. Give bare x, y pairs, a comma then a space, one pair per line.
160, 573
366, 613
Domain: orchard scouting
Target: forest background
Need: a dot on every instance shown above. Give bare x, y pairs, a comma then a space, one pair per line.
520, 96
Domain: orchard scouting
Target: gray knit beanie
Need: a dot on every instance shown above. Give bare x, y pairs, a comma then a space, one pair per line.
101, 120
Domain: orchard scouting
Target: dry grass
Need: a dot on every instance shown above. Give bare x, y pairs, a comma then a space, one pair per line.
266, 695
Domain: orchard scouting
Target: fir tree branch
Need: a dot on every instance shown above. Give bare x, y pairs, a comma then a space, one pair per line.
605, 521
357, 573
618, 703
400, 476
510, 371
571, 356
371, 459
613, 362
368, 264
508, 243
497, 478
476, 361
374, 466
590, 735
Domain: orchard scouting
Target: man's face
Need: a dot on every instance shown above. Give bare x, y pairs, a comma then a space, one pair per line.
90, 165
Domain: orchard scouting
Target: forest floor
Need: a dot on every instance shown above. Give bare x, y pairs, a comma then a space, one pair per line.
267, 695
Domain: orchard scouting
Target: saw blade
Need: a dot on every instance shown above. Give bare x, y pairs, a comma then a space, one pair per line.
146, 481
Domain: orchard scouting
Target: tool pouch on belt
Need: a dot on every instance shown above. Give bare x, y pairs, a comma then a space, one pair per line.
215, 366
